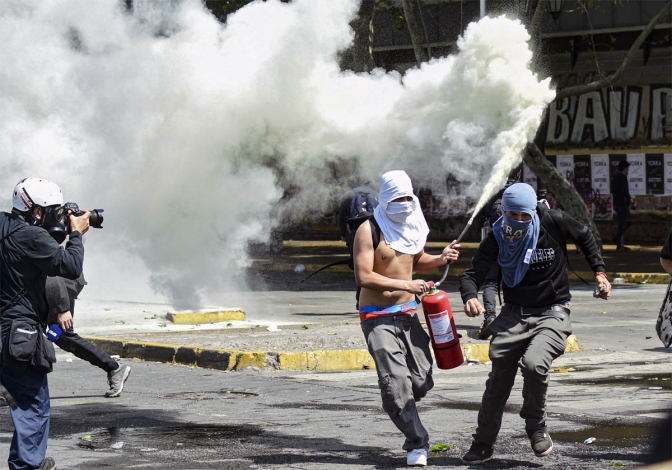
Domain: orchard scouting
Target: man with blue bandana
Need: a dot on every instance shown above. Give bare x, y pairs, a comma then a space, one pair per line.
529, 244
388, 310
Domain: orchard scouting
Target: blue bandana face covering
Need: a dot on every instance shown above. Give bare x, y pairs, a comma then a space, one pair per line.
517, 239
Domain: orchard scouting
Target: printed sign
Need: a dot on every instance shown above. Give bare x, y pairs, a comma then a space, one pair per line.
654, 173
565, 165
600, 176
582, 175
637, 174
441, 329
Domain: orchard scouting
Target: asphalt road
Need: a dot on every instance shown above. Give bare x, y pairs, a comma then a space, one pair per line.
175, 417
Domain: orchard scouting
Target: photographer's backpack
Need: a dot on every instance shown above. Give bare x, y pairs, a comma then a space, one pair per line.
356, 208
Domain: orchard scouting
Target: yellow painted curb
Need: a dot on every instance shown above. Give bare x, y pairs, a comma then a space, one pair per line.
206, 316
222, 359
334, 360
251, 359
648, 278
476, 351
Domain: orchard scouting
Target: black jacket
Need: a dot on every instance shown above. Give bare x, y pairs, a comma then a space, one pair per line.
546, 281
620, 189
27, 256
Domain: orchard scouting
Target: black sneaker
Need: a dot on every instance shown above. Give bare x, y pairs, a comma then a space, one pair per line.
483, 332
542, 445
47, 464
479, 453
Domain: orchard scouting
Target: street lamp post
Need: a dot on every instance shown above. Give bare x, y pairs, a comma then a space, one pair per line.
555, 8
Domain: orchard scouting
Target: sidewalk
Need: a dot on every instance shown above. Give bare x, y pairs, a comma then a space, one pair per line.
312, 325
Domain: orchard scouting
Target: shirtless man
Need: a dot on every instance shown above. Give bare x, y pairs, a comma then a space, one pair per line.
388, 310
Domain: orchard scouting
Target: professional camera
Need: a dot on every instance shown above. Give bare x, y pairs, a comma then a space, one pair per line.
95, 219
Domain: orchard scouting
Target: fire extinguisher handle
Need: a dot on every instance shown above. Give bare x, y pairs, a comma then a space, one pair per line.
430, 284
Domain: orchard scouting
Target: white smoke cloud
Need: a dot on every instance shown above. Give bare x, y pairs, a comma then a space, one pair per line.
186, 130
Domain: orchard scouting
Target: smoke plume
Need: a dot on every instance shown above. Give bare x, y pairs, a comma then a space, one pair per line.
188, 132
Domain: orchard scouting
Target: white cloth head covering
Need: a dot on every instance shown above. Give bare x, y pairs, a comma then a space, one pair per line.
402, 223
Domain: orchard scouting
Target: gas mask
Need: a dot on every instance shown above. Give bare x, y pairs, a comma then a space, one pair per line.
53, 221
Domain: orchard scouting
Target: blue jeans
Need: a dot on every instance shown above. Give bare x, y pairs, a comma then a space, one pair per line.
30, 418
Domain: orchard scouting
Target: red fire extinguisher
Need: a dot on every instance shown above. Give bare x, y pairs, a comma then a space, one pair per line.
440, 323
442, 331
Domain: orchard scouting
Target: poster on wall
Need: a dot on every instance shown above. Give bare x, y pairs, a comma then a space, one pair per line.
667, 160
601, 207
637, 174
565, 165
529, 177
654, 173
600, 176
582, 176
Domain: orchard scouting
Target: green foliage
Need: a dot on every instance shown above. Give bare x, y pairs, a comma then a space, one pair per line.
441, 447
397, 18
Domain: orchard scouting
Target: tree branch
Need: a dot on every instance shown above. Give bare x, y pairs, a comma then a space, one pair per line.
607, 81
414, 30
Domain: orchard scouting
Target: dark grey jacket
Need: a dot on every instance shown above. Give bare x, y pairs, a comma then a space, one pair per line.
27, 256
62, 293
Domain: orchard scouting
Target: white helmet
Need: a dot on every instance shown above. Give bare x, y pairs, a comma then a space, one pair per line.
36, 192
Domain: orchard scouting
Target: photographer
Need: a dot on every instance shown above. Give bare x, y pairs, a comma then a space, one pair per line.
61, 295
28, 254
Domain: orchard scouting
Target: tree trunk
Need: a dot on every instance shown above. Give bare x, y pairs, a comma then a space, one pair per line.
415, 31
608, 81
562, 189
359, 56
535, 24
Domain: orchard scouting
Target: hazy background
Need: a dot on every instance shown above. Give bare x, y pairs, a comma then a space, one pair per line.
188, 132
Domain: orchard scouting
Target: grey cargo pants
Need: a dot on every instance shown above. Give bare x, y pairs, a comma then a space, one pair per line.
530, 339
399, 346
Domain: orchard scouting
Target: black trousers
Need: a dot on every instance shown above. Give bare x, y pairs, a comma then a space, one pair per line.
81, 348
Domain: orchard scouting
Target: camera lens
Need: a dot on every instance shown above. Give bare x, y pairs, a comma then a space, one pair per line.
96, 218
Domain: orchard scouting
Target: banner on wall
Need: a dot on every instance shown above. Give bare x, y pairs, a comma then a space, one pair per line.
637, 174
599, 167
667, 159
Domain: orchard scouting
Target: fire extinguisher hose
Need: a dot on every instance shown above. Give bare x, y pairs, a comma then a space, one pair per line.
445, 270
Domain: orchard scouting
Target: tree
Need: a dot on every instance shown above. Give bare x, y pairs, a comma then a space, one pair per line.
359, 57
606, 81
414, 30
572, 202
